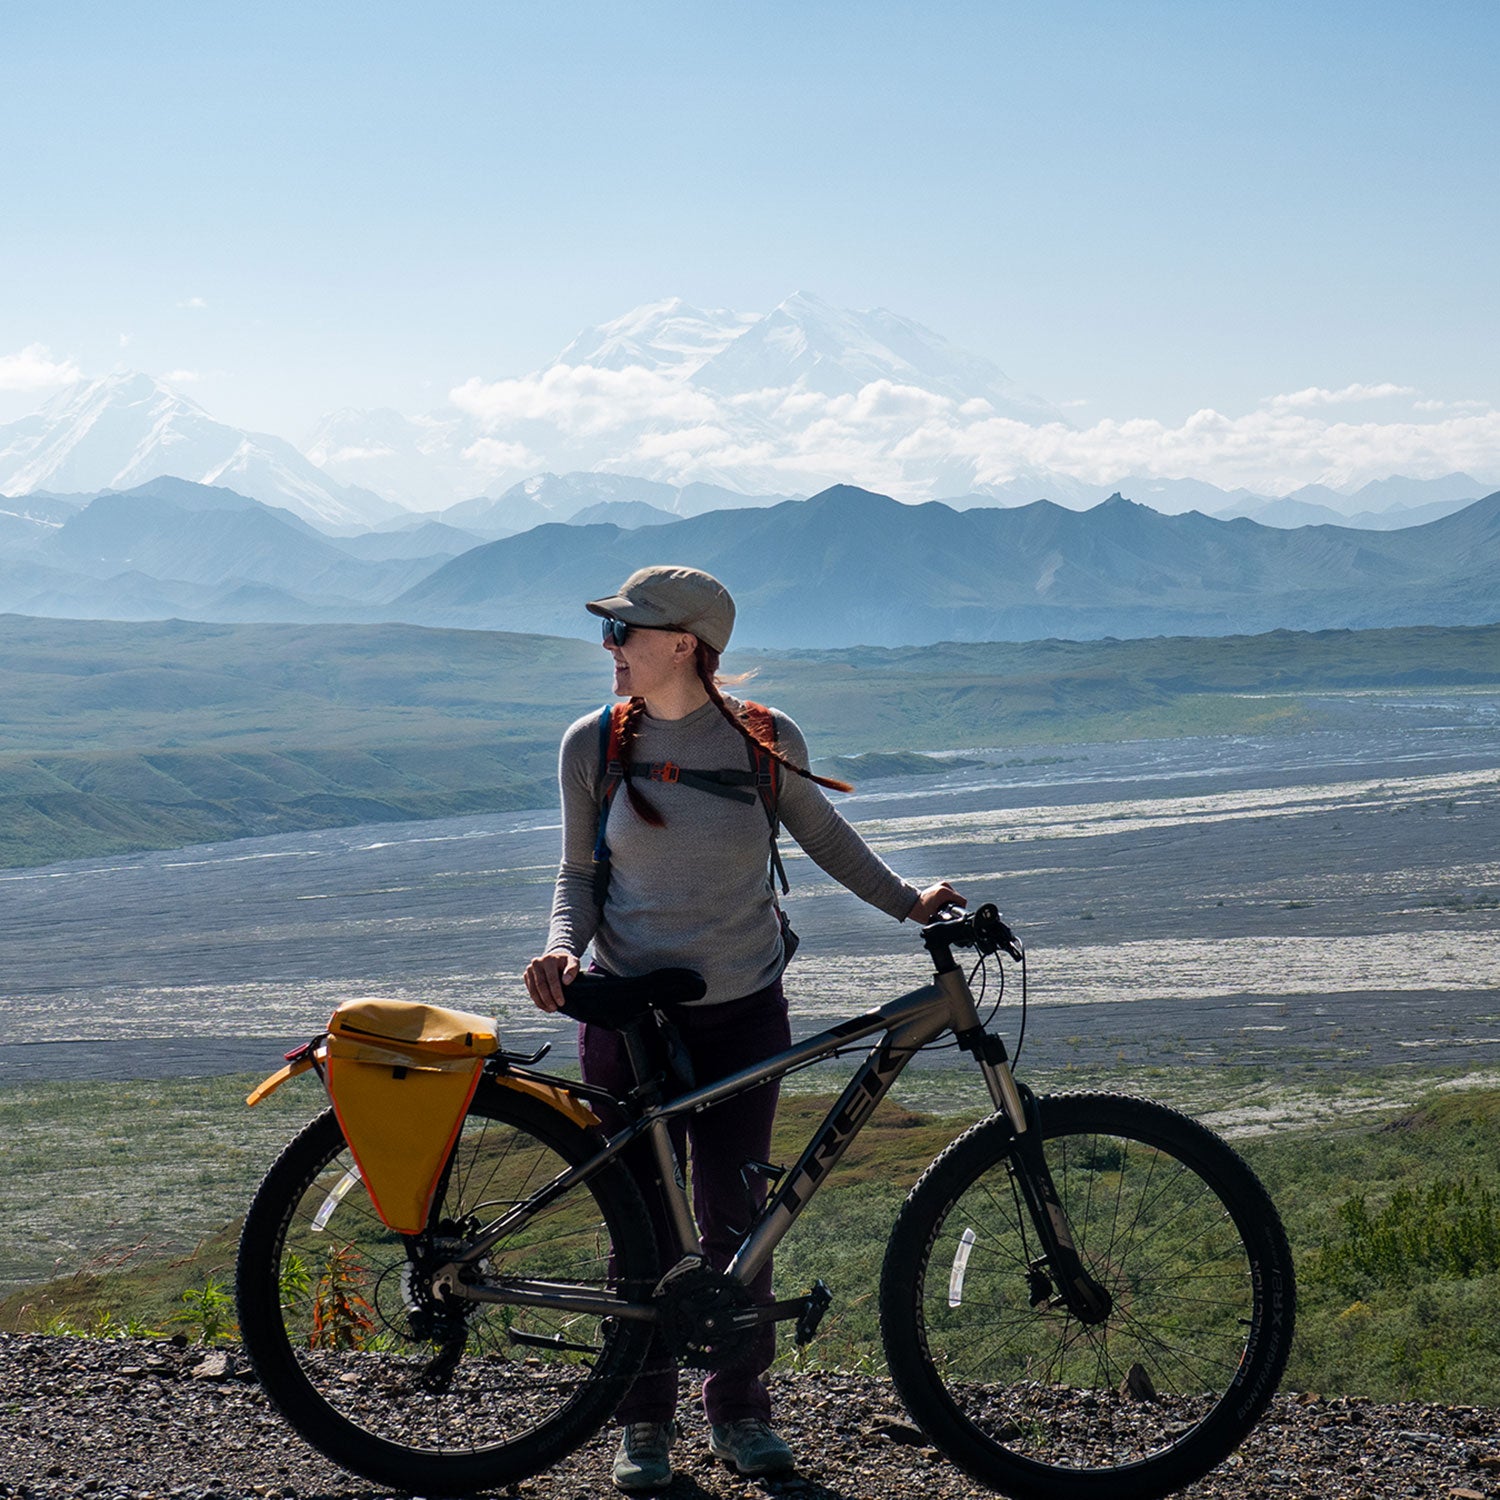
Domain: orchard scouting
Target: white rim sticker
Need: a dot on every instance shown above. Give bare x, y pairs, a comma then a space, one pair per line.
960, 1265
335, 1197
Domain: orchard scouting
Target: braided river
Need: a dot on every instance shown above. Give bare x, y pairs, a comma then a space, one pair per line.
1328, 899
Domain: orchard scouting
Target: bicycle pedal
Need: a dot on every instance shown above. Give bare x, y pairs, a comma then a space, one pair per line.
816, 1304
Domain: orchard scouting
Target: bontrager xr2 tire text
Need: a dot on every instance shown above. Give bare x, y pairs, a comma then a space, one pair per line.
427, 1395
1021, 1393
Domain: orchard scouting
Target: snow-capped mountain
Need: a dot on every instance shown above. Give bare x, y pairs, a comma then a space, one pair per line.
125, 429
669, 335
806, 345
781, 402
803, 344
682, 409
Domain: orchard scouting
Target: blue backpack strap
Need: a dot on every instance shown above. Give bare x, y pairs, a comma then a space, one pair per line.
611, 774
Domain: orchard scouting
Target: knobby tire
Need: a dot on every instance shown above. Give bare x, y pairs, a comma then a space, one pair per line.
1028, 1399
344, 1340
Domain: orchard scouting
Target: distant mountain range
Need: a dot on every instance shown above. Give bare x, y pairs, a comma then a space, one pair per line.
642, 394
670, 406
846, 567
124, 430
621, 498
1381, 505
171, 548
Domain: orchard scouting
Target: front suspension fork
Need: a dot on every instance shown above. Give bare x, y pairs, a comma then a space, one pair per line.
1084, 1297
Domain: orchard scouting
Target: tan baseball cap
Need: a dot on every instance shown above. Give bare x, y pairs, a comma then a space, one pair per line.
686, 598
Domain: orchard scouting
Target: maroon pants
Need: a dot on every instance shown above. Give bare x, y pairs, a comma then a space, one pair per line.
720, 1040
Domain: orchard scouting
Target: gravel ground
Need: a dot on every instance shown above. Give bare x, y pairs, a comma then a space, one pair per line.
124, 1420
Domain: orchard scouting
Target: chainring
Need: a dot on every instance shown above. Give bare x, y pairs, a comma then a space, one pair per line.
694, 1307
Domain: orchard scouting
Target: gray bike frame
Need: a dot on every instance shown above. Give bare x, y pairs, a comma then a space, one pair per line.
910, 1022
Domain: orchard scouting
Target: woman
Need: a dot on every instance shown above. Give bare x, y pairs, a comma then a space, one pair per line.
689, 886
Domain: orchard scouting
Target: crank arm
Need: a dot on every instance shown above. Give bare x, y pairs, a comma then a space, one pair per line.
808, 1311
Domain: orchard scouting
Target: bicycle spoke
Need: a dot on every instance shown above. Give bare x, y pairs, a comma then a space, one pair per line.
416, 1388
1004, 1374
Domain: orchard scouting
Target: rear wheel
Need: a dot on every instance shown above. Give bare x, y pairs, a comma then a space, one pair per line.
443, 1396
1017, 1390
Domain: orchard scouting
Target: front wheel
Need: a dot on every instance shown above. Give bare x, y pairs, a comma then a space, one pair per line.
443, 1396
1018, 1391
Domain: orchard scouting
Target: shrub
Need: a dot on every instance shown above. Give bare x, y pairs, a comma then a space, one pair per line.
1449, 1229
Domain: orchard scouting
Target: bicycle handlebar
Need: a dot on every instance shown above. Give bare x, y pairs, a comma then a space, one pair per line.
984, 929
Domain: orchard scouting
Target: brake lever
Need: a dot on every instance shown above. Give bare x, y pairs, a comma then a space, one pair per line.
992, 933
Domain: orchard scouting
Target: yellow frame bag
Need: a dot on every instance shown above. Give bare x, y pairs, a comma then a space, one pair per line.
400, 1076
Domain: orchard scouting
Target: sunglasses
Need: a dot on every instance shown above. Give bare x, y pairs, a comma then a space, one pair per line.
615, 631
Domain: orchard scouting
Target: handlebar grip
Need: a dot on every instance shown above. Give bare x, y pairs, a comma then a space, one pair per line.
985, 930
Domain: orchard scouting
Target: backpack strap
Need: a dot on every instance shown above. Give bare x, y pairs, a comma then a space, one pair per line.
762, 723
764, 777
735, 785
611, 777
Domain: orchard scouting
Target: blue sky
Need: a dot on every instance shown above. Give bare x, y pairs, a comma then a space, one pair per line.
1146, 209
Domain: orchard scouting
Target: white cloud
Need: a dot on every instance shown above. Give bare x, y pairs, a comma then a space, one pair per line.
34, 369
1316, 395
1271, 452
918, 445
884, 401
182, 377
681, 443
353, 454
1452, 405
193, 304
583, 399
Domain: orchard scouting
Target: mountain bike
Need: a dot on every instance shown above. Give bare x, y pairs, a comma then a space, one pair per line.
1083, 1295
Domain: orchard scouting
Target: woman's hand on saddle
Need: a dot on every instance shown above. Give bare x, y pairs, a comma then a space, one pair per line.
932, 901
546, 976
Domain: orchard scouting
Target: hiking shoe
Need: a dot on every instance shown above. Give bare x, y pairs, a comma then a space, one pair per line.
643, 1460
751, 1446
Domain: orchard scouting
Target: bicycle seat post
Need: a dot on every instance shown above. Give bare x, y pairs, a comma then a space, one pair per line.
645, 1077
650, 1077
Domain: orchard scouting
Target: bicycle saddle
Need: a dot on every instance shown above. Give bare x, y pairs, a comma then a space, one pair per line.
604, 1000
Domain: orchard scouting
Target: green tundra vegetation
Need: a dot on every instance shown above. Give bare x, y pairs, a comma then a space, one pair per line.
127, 736
122, 1201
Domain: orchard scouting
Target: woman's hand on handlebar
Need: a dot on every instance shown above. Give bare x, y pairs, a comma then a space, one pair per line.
546, 976
932, 901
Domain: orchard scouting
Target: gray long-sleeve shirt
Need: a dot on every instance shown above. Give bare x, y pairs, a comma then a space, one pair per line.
696, 892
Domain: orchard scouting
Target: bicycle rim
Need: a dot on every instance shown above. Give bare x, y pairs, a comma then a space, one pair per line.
1021, 1393
413, 1392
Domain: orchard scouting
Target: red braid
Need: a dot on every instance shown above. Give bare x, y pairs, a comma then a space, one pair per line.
629, 728
707, 660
